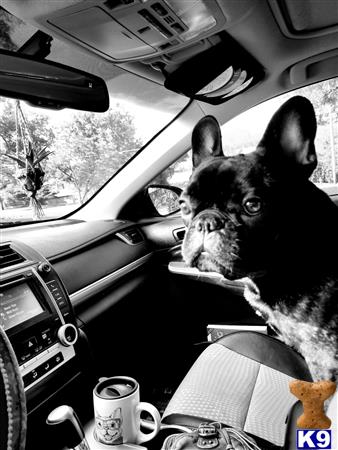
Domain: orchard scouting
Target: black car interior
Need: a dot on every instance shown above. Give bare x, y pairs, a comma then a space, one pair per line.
97, 298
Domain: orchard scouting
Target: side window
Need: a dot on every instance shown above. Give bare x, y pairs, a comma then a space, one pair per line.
241, 134
166, 188
178, 173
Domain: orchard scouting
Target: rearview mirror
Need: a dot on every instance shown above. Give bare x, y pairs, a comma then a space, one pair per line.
50, 85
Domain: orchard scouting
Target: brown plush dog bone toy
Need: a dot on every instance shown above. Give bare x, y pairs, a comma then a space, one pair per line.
313, 396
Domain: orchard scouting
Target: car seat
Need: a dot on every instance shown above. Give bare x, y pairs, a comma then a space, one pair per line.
241, 380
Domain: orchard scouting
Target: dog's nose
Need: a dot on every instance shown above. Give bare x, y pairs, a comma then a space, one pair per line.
207, 222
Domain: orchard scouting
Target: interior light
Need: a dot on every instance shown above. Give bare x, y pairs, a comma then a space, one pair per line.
195, 15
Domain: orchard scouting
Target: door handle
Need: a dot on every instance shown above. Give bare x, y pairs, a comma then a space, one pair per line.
179, 233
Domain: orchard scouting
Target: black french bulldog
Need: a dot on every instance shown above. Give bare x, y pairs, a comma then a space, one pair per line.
257, 215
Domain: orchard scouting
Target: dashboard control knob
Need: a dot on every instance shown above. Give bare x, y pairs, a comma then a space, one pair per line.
44, 268
67, 334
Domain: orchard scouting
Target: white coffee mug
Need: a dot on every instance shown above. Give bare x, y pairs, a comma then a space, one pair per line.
117, 409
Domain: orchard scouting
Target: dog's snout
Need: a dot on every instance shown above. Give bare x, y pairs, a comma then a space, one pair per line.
207, 222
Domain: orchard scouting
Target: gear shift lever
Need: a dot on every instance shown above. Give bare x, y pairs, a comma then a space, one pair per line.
65, 418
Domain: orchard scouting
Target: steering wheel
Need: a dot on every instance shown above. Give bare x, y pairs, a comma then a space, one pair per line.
13, 414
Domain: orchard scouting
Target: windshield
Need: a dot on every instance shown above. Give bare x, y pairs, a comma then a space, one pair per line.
54, 161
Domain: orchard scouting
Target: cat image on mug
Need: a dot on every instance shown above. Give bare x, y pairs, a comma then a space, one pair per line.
109, 430
118, 411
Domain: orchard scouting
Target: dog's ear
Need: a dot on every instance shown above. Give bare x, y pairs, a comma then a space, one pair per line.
290, 134
206, 140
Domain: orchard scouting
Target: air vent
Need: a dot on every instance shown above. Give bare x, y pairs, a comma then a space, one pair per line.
9, 257
132, 236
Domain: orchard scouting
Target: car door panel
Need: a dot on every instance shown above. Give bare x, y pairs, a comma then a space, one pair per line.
199, 303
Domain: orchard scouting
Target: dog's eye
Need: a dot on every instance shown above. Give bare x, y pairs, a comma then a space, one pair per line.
184, 208
253, 205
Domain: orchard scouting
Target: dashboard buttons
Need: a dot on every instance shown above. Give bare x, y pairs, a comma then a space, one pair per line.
29, 345
67, 334
24, 357
66, 315
57, 359
42, 369
57, 294
61, 302
28, 349
32, 376
46, 337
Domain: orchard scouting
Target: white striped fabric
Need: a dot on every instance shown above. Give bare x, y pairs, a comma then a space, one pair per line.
237, 391
270, 403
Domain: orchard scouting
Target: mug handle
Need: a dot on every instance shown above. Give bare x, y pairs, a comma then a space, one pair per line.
143, 406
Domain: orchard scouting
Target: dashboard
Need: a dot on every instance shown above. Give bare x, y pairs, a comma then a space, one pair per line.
52, 276
82, 252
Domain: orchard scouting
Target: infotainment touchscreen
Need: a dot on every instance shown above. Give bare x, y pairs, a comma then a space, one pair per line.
18, 304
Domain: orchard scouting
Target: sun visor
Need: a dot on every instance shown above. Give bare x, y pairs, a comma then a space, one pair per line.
223, 71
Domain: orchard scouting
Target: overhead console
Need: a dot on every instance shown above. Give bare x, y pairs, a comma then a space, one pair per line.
126, 30
35, 312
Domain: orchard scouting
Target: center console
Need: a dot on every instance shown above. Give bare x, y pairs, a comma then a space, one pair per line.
35, 312
37, 315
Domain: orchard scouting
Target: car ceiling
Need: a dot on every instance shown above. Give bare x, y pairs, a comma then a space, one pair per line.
294, 42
